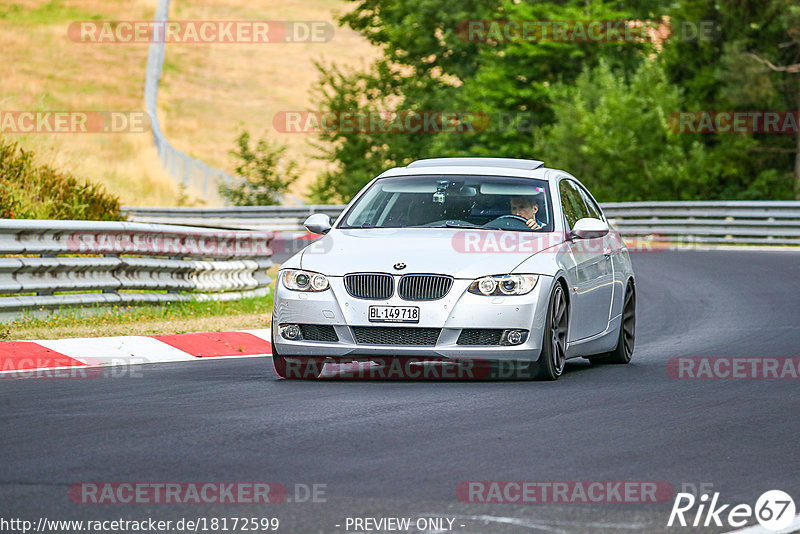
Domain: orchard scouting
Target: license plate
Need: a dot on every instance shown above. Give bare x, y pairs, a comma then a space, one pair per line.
394, 314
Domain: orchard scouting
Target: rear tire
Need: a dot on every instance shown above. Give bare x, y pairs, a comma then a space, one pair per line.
554, 345
623, 352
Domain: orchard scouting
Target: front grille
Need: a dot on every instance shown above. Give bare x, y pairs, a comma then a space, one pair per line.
479, 336
375, 286
424, 286
319, 332
385, 335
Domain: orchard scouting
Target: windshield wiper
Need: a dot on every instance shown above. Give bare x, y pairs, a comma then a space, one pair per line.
448, 224
462, 224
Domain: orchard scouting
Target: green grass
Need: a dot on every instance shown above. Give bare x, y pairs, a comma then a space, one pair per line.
172, 318
50, 13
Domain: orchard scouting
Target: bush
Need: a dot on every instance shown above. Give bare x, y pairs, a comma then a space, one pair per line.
31, 191
614, 135
264, 179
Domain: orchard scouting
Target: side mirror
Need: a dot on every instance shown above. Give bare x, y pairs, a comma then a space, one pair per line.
589, 228
319, 223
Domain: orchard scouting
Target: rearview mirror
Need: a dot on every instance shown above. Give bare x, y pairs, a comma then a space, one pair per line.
319, 224
589, 228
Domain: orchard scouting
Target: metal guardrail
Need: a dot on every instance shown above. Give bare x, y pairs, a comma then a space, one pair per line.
51, 264
191, 172
770, 222
261, 218
732, 222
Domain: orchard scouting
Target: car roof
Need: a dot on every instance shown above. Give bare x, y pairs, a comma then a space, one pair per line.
527, 168
506, 163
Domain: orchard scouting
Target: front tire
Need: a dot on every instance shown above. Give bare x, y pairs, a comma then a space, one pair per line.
554, 346
623, 352
296, 368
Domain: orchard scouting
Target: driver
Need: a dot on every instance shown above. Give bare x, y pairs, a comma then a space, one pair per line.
525, 207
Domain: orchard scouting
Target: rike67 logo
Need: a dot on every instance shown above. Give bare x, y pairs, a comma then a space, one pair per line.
774, 510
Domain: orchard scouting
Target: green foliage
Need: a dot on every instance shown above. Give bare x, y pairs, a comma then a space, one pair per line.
266, 174
620, 138
596, 108
425, 61
515, 77
361, 155
52, 12
430, 63
614, 135
31, 191
730, 72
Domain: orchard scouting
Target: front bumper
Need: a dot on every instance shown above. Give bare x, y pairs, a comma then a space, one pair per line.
458, 310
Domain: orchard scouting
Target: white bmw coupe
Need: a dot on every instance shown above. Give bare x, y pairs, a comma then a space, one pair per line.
454, 261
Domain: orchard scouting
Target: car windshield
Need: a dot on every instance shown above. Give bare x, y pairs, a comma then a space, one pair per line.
451, 201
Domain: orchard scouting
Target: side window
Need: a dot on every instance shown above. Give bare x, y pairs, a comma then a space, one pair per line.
591, 205
572, 202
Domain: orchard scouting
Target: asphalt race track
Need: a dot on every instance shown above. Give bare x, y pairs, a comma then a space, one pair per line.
401, 448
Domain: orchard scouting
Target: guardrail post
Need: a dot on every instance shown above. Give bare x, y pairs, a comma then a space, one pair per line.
187, 169
174, 290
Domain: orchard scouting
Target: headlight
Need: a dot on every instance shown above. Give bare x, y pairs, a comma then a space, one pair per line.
504, 284
297, 280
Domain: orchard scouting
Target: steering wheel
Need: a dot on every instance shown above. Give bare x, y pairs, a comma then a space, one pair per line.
508, 222
513, 218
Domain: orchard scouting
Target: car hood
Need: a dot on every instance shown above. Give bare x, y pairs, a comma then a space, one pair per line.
461, 253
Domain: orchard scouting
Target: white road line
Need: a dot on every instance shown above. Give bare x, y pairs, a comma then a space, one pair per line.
758, 529
555, 526
35, 371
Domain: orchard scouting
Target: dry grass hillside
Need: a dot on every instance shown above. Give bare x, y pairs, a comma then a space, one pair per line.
209, 92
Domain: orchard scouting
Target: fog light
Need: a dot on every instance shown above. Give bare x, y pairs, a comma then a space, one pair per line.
514, 337
291, 332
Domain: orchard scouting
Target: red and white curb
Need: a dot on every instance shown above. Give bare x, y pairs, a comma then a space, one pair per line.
25, 358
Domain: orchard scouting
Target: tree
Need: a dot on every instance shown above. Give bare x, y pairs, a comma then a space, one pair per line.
431, 63
515, 76
424, 62
731, 70
617, 138
267, 175
539, 100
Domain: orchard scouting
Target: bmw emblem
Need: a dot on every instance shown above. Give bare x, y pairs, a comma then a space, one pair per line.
400, 266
